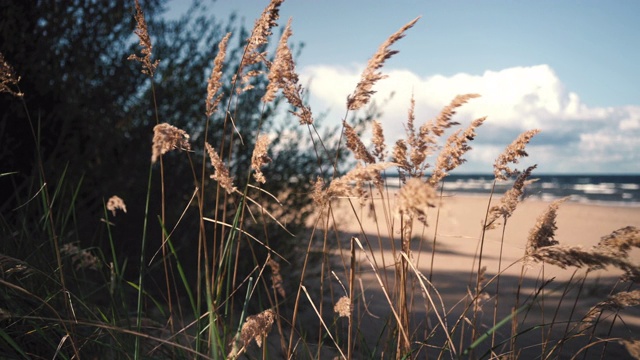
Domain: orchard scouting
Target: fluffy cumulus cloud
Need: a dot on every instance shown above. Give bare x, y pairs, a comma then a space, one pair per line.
575, 137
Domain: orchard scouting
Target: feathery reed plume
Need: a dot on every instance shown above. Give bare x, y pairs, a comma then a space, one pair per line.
259, 36
356, 146
615, 302
611, 250
415, 198
215, 79
456, 146
511, 154
422, 144
400, 157
116, 203
343, 307
509, 200
282, 75
276, 278
281, 70
148, 67
319, 195
633, 347
8, 78
371, 75
594, 259
410, 162
221, 173
443, 120
622, 240
378, 142
260, 158
479, 298
349, 184
370, 172
166, 138
256, 327
543, 232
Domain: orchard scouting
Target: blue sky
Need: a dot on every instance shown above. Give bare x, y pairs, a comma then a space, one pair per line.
570, 68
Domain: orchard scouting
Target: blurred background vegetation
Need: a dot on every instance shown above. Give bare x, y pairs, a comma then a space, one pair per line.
93, 113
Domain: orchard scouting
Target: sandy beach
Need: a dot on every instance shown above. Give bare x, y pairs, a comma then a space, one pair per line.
454, 264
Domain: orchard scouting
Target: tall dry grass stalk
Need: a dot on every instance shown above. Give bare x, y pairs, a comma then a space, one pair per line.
253, 51
511, 154
616, 302
215, 79
411, 153
543, 232
379, 146
148, 66
221, 173
450, 157
259, 157
509, 200
363, 92
356, 145
282, 76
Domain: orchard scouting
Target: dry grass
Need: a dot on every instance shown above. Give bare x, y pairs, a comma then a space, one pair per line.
418, 319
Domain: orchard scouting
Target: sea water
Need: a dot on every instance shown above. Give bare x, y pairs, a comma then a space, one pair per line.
622, 190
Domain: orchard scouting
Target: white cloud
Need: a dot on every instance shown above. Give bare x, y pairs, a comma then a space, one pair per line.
514, 100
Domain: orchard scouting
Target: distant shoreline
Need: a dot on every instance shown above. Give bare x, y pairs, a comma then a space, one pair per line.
614, 190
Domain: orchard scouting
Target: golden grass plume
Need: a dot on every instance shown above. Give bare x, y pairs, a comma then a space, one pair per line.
116, 203
148, 66
543, 232
615, 302
450, 157
379, 145
215, 79
282, 75
256, 327
416, 197
166, 138
221, 173
511, 154
259, 36
362, 94
509, 200
259, 157
8, 78
356, 146
343, 307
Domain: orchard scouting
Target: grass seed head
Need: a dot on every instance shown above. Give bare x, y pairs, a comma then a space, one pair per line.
259, 157
362, 94
215, 79
166, 138
8, 78
221, 173
148, 66
511, 154
256, 327
343, 307
116, 203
